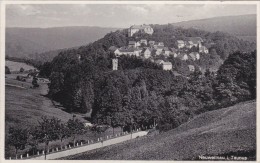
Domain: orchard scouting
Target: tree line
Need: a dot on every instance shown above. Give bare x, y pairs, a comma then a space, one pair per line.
47, 130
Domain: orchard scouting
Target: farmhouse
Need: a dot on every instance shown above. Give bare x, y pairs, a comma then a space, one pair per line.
143, 28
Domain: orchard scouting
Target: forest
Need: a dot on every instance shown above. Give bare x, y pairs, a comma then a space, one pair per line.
140, 93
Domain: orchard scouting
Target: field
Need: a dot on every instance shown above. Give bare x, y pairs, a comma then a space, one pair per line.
227, 131
25, 106
15, 66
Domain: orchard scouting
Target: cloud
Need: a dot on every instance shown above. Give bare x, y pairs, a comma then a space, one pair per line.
119, 15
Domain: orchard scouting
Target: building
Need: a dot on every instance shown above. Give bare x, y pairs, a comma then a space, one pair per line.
159, 50
173, 52
167, 65
115, 64
161, 44
151, 43
194, 41
143, 41
143, 28
132, 44
147, 52
166, 51
191, 68
159, 61
194, 56
203, 49
183, 56
180, 44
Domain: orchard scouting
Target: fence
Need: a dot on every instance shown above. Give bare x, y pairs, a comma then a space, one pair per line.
81, 147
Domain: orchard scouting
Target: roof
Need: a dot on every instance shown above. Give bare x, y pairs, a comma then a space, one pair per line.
143, 40
193, 55
146, 49
203, 48
173, 50
159, 61
166, 49
125, 49
112, 48
140, 26
180, 41
131, 42
194, 40
167, 63
160, 47
191, 66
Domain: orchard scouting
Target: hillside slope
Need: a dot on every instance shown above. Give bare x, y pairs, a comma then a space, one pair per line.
218, 132
242, 25
21, 42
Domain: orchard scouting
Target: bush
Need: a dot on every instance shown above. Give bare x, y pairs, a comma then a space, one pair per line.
7, 70
21, 69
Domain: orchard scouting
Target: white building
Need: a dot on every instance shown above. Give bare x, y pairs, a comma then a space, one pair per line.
181, 44
115, 64
167, 65
143, 28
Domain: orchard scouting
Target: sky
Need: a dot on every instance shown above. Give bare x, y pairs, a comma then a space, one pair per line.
115, 15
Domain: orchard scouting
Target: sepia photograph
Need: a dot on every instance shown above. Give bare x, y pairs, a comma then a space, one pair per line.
129, 80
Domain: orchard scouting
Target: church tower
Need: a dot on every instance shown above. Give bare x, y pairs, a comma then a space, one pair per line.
115, 63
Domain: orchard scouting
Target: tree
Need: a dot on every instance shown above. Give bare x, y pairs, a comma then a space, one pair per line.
7, 70
18, 138
21, 69
47, 131
61, 129
34, 138
35, 83
75, 127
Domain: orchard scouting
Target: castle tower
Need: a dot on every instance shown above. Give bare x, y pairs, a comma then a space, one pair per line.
115, 63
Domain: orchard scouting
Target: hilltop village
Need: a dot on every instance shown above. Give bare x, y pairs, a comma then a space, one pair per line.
190, 49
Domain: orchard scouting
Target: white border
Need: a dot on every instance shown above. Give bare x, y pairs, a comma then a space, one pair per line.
2, 61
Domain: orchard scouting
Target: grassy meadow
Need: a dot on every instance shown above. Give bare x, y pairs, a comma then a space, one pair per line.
225, 131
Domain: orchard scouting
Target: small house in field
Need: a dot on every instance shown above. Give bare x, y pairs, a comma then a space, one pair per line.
167, 65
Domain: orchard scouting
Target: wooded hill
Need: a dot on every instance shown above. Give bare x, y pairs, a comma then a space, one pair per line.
31, 42
141, 93
242, 26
